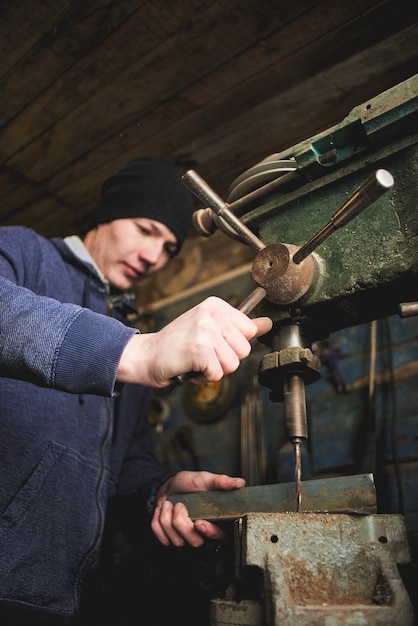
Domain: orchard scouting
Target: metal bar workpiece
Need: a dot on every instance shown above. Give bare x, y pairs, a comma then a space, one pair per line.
342, 494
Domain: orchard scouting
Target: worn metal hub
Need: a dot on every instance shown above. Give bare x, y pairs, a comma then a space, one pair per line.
284, 281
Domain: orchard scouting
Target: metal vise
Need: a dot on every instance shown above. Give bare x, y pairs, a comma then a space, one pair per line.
335, 563
319, 569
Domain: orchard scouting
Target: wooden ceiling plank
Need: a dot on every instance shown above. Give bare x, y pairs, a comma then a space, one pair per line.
38, 209
294, 121
214, 152
267, 82
65, 135
16, 200
147, 79
220, 117
55, 220
112, 56
23, 24
90, 37
200, 122
72, 36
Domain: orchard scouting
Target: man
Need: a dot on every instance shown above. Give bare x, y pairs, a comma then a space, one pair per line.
76, 388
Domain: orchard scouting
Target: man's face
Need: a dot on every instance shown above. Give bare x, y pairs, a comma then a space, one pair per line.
129, 249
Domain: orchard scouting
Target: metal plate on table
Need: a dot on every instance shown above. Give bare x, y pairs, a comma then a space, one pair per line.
343, 494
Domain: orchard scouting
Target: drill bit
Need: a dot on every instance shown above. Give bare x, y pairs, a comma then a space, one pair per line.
298, 474
296, 424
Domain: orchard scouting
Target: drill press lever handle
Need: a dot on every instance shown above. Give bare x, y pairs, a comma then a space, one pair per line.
205, 194
363, 197
246, 307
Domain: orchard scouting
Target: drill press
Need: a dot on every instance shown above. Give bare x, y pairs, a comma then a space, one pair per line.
335, 563
286, 273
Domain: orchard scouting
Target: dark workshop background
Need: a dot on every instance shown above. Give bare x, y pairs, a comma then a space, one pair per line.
217, 86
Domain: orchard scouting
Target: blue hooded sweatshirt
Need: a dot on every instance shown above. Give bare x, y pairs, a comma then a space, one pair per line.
70, 438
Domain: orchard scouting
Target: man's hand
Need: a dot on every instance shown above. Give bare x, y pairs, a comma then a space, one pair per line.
172, 525
211, 338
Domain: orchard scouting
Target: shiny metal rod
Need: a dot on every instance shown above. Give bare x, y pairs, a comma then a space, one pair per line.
201, 190
408, 309
203, 219
366, 194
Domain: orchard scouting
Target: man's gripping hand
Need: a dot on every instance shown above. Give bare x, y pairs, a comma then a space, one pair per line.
171, 523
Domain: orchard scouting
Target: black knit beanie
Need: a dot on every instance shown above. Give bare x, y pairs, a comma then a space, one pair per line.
147, 187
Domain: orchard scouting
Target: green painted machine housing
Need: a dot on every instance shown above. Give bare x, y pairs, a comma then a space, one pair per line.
370, 266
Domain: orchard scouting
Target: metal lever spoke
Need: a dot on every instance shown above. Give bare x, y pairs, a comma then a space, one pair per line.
362, 198
201, 190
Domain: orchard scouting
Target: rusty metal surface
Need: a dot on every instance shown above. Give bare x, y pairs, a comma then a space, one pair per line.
355, 494
284, 281
325, 569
